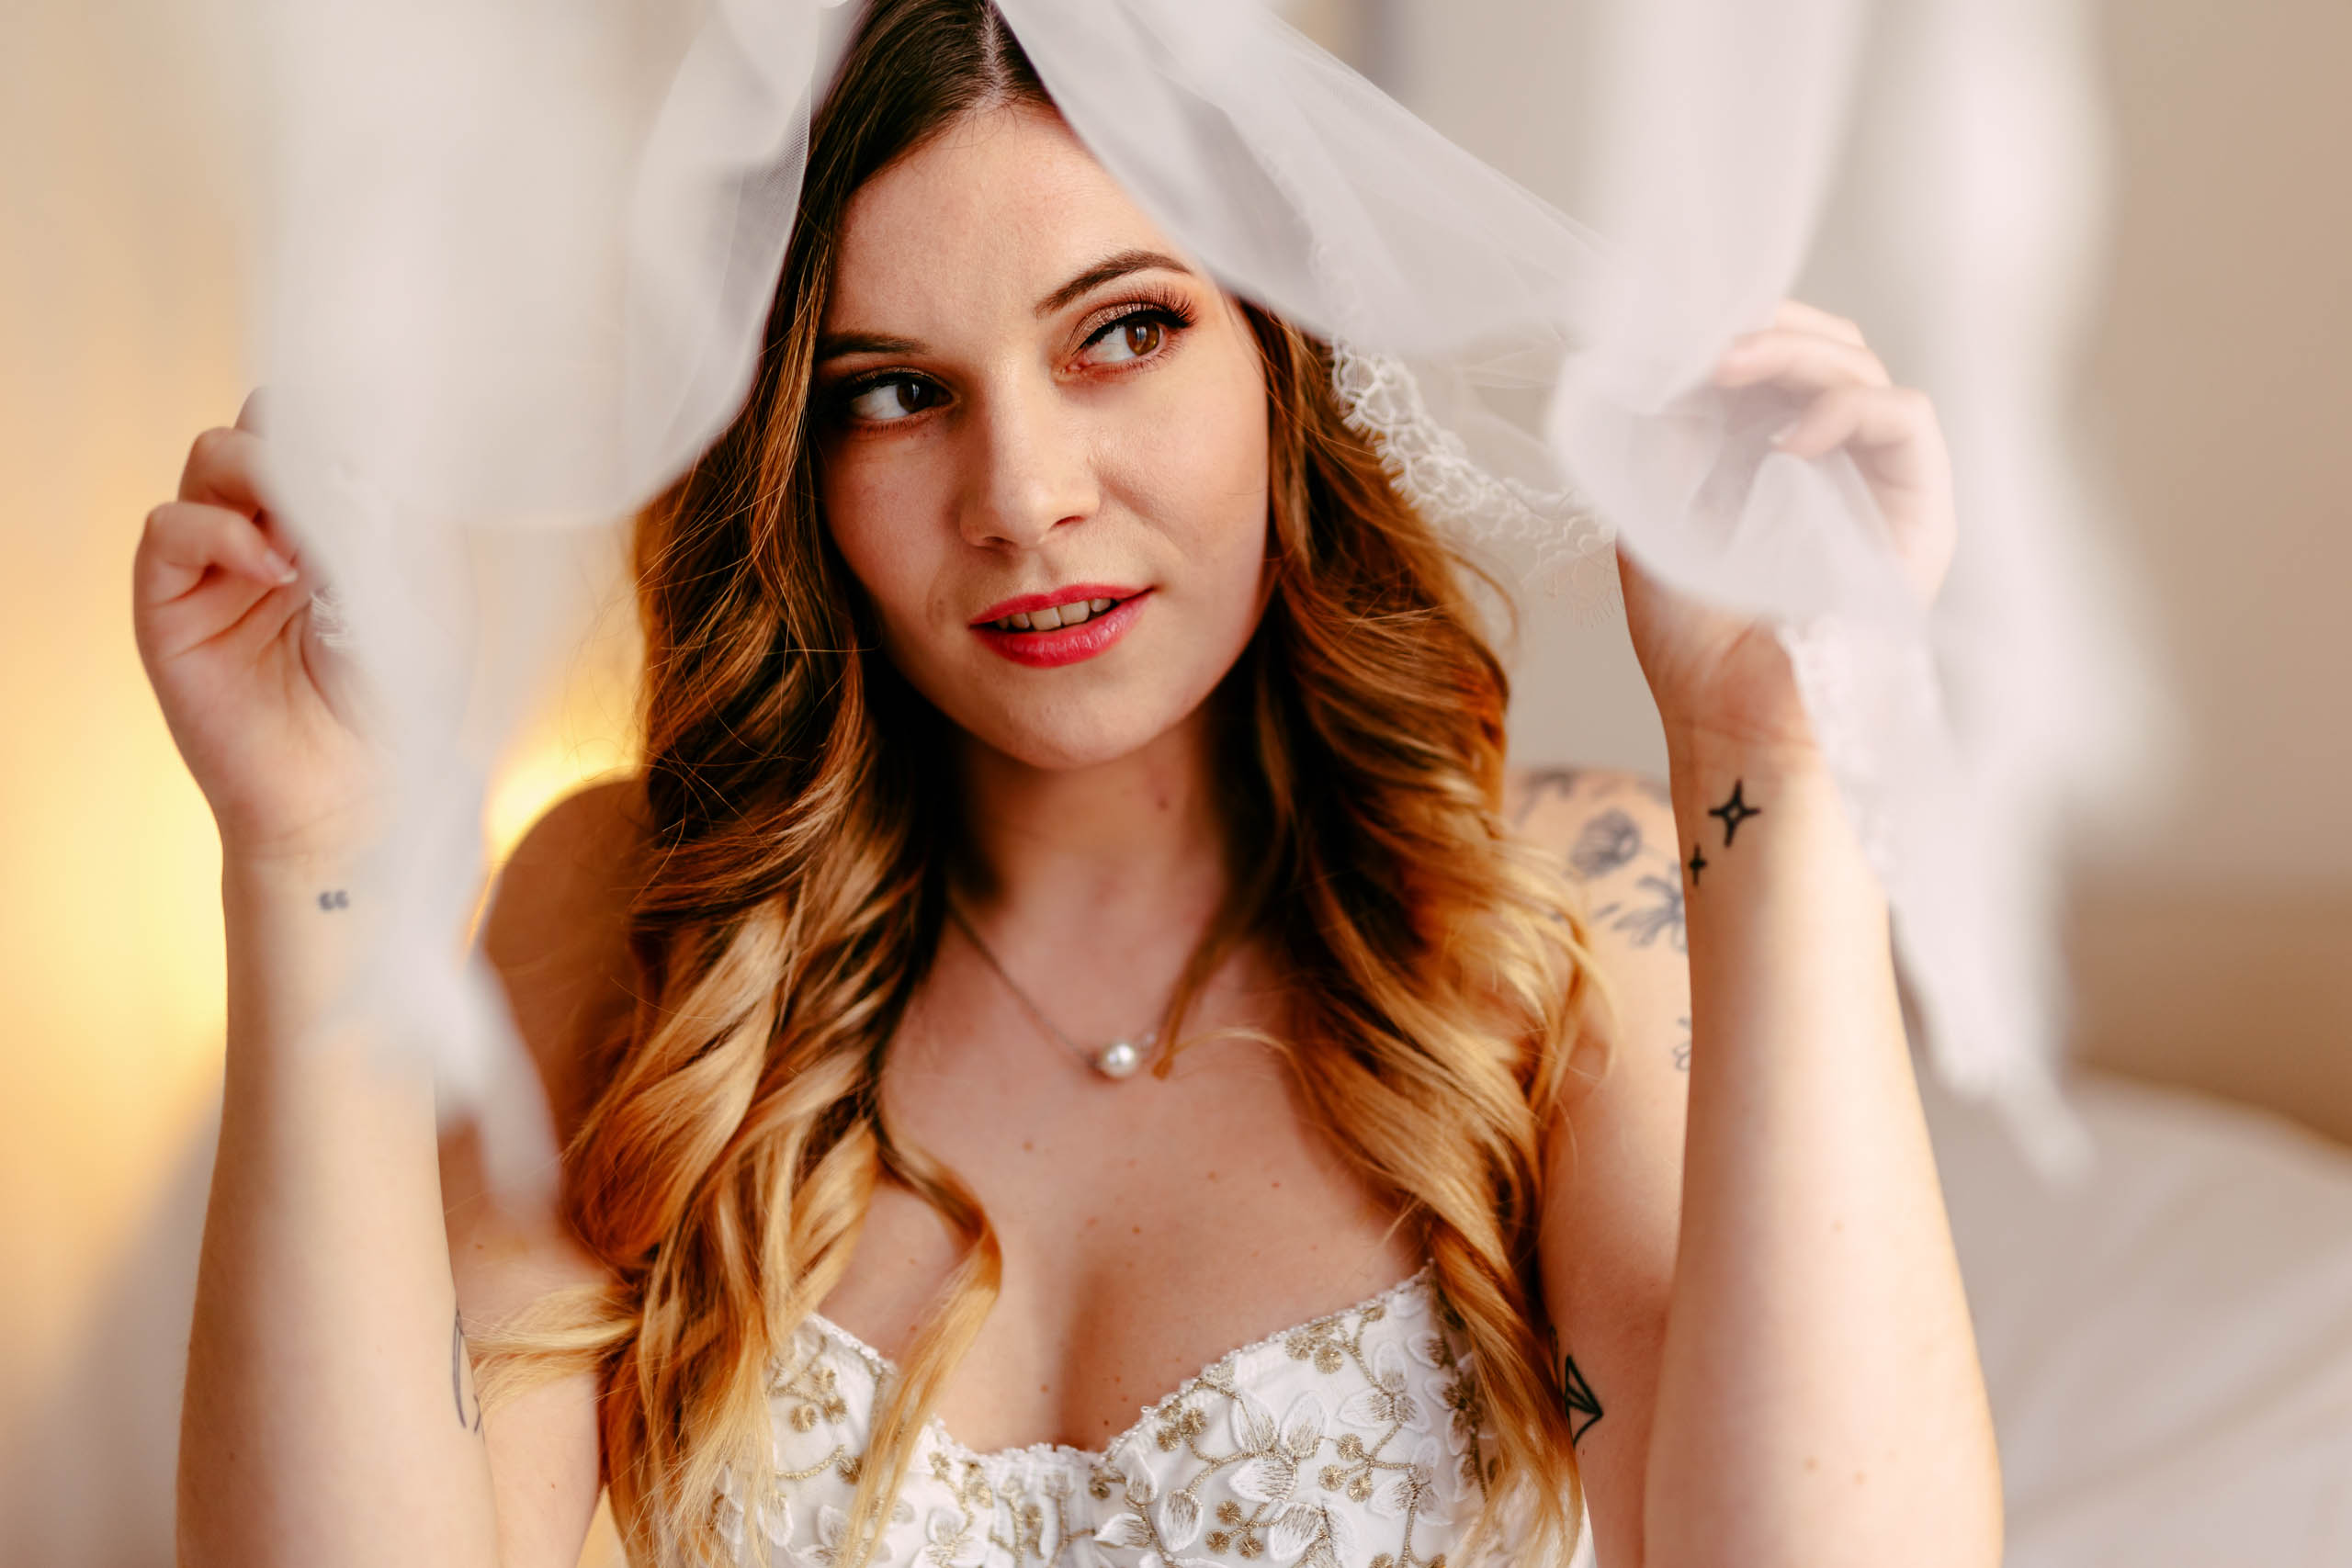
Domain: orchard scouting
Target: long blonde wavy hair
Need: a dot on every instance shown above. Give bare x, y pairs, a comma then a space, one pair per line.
792, 897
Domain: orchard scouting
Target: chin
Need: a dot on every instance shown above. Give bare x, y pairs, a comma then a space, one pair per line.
1066, 720
1099, 728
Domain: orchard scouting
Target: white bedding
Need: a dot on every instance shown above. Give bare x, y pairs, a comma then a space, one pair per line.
2168, 1348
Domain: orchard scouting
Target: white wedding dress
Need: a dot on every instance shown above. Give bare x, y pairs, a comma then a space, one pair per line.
1352, 1440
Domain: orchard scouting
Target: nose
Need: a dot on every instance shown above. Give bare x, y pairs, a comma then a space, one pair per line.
1034, 471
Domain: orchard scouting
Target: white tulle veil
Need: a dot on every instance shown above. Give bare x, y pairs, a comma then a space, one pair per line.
521, 257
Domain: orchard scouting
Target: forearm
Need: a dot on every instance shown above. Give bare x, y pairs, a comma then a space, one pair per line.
328, 1417
1819, 1399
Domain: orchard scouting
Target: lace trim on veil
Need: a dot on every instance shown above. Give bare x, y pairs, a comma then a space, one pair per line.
1434, 471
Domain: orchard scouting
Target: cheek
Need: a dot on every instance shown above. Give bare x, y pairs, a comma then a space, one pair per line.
874, 515
1199, 466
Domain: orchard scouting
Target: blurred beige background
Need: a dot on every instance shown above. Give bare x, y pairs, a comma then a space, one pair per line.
2215, 951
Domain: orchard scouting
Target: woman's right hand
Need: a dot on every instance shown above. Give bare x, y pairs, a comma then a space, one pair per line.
264, 713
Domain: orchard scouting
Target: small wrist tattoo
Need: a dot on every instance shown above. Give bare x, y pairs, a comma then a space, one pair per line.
335, 899
1733, 811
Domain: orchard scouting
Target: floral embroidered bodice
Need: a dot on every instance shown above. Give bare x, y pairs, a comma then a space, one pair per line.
1352, 1440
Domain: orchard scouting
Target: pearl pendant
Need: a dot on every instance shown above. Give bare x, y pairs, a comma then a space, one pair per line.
1119, 1059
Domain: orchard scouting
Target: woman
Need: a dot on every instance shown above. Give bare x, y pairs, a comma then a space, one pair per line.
1044, 682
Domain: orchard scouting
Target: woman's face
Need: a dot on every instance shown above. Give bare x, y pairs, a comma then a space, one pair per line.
1031, 402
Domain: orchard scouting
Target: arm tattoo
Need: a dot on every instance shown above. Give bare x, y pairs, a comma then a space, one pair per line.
1608, 842
458, 1368
1682, 1047
1546, 782
1612, 841
335, 899
1583, 1408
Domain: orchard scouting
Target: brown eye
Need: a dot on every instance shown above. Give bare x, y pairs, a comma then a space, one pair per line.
1128, 339
883, 402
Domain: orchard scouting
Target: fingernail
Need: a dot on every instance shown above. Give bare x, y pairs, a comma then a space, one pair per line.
1780, 436
278, 567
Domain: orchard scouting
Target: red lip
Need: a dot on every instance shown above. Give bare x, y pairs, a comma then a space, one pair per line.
1066, 645
1076, 590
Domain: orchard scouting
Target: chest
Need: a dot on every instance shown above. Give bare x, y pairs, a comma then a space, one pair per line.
1147, 1226
1357, 1437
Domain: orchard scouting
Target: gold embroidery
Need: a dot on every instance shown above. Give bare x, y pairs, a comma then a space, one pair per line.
1370, 1453
811, 1392
1185, 1426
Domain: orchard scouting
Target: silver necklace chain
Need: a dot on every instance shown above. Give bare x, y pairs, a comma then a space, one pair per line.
1118, 1059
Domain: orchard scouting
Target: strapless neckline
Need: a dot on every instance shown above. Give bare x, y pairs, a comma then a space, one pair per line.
996, 1460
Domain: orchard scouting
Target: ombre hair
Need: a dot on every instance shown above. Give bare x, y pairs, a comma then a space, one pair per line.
796, 835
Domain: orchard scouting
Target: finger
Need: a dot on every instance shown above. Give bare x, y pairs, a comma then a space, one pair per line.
236, 474
253, 415
224, 469
1799, 359
1894, 426
1801, 317
184, 540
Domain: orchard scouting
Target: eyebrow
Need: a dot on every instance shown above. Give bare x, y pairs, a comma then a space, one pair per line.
834, 345
1104, 271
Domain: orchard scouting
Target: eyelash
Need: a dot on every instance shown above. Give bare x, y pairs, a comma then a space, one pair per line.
1148, 305
1168, 309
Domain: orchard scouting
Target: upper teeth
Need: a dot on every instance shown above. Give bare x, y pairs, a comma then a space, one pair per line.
1045, 620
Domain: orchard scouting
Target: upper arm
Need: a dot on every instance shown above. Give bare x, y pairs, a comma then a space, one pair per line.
554, 934
1613, 1162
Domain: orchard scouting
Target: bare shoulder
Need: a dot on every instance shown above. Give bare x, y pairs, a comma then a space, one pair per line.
556, 932
1612, 832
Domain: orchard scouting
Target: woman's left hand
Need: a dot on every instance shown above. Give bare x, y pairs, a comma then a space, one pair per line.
1720, 673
